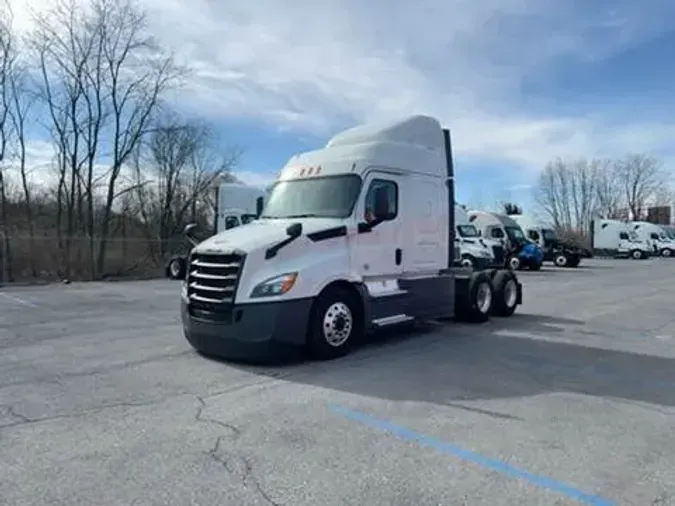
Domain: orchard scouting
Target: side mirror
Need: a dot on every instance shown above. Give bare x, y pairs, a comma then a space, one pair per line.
294, 230
189, 231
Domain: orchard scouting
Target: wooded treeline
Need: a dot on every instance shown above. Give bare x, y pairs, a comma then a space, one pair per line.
121, 172
572, 193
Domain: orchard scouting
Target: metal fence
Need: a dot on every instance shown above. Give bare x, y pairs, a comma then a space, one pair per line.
25, 258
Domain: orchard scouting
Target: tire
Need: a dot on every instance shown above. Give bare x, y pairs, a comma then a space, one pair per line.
561, 260
636, 254
666, 252
176, 268
468, 262
336, 322
513, 263
505, 293
475, 304
574, 261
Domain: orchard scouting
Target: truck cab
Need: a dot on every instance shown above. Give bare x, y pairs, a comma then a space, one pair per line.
655, 237
555, 250
475, 251
615, 238
237, 204
519, 251
355, 236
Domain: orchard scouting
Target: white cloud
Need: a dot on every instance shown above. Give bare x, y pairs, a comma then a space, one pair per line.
317, 66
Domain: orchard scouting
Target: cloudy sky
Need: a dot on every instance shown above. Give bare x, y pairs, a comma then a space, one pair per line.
518, 81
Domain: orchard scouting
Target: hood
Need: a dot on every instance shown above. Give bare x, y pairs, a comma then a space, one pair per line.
262, 233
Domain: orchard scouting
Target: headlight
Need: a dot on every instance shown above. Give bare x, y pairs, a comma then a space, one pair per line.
277, 285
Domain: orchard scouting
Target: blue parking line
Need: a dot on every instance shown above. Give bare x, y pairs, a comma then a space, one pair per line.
469, 456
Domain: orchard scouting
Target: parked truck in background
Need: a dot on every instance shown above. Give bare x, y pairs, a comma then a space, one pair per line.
655, 237
475, 251
236, 204
355, 236
559, 252
520, 252
615, 238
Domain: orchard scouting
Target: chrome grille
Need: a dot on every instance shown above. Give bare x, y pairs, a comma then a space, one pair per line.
212, 281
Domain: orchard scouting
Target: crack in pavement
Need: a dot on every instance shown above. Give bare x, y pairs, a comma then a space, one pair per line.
241, 467
25, 420
234, 464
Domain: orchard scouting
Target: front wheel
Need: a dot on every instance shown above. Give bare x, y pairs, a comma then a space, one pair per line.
176, 268
636, 254
468, 262
513, 263
666, 252
335, 324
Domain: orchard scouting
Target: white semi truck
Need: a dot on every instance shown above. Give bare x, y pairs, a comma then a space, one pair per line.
655, 237
236, 204
355, 236
615, 238
475, 251
519, 251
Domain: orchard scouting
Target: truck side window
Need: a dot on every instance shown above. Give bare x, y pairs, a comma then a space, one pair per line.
497, 233
533, 234
623, 236
231, 222
655, 236
391, 190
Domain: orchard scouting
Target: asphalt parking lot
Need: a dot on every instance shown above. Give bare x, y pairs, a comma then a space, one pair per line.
102, 402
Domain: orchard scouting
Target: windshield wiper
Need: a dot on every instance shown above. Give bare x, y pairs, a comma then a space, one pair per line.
306, 215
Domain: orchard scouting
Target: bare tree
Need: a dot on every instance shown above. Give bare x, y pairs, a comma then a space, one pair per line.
137, 73
641, 176
7, 60
182, 165
609, 190
103, 77
567, 192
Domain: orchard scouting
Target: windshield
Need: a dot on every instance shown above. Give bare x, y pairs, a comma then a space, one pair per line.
467, 230
321, 197
549, 234
633, 235
515, 233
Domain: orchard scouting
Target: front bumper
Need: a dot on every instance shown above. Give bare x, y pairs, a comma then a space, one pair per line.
268, 332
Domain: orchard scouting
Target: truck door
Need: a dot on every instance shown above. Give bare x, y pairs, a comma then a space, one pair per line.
379, 253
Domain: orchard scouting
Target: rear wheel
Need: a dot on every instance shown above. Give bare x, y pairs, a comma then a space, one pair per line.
475, 303
636, 254
335, 323
560, 260
505, 293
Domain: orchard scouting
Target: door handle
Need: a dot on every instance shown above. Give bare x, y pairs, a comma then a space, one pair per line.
399, 256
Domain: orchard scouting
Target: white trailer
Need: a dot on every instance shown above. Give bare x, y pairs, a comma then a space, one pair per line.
474, 251
655, 237
237, 204
615, 238
356, 236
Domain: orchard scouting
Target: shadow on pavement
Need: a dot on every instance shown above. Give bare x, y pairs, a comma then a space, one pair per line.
453, 362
